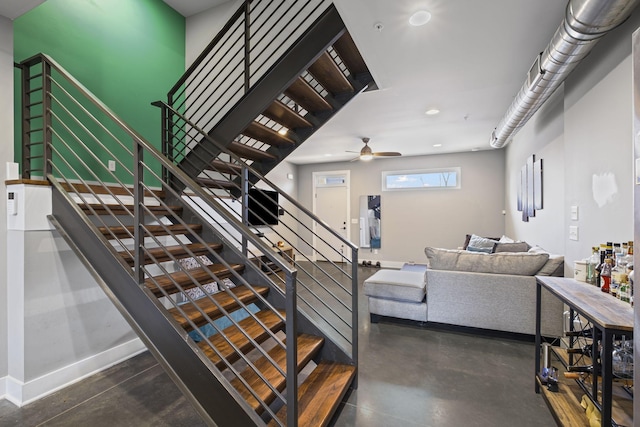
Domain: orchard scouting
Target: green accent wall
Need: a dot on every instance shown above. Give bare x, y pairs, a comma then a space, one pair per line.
129, 53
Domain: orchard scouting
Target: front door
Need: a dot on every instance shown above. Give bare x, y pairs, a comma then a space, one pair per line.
331, 205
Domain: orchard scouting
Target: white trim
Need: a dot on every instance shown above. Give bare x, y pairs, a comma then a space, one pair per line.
20, 393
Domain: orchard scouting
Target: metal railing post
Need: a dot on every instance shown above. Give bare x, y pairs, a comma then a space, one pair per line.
138, 214
26, 123
46, 118
247, 47
164, 135
354, 312
244, 198
291, 330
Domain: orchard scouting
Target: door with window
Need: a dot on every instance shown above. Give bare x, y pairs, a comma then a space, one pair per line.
331, 205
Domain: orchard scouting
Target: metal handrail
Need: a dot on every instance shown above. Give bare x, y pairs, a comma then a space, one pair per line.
57, 172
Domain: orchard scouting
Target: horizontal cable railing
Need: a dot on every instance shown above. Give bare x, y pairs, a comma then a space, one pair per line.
327, 279
70, 137
255, 37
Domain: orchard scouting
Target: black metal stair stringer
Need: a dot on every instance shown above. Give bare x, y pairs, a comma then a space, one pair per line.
169, 345
322, 34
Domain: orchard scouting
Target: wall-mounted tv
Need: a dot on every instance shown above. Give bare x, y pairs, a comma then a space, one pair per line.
263, 207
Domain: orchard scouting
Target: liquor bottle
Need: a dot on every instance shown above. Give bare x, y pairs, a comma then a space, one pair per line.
592, 264
605, 275
618, 275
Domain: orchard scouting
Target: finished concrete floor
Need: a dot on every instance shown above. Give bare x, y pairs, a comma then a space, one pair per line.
409, 376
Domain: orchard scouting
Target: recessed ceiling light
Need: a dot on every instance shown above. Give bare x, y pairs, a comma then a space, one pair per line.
283, 131
475, 149
432, 112
419, 18
328, 155
437, 145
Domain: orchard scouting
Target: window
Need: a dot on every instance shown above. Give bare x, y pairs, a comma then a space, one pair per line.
421, 179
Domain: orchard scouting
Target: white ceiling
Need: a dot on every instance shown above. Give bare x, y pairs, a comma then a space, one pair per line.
469, 61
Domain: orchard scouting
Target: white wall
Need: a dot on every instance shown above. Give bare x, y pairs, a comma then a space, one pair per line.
414, 219
6, 155
584, 136
542, 137
202, 28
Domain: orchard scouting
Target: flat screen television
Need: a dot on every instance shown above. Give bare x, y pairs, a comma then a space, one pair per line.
263, 207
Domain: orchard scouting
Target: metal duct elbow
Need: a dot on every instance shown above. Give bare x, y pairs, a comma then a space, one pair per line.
585, 22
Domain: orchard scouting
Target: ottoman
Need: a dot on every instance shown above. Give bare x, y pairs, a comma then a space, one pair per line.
397, 293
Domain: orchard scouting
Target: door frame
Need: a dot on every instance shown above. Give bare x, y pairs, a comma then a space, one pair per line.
337, 173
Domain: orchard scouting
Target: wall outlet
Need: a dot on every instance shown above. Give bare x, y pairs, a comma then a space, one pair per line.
112, 165
573, 232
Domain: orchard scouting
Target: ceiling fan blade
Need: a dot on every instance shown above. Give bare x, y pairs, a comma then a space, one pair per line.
387, 154
355, 159
349, 151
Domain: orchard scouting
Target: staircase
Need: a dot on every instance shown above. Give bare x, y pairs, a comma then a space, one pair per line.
214, 266
283, 102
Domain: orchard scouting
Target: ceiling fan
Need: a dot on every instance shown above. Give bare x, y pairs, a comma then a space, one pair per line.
367, 154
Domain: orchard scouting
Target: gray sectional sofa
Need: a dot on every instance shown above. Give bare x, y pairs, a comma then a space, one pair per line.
472, 289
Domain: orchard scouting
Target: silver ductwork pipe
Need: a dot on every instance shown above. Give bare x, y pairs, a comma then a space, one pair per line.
585, 23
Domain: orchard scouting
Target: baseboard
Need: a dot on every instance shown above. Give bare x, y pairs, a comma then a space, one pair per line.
3, 388
385, 264
20, 393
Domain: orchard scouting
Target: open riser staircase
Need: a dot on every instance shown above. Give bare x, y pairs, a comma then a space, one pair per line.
185, 240
272, 103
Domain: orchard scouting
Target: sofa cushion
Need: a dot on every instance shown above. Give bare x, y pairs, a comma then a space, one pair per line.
520, 264
554, 265
511, 247
396, 284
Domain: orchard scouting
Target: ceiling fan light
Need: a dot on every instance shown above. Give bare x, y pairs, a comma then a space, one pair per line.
366, 157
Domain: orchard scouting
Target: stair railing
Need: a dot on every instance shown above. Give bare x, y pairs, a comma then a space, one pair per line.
327, 278
70, 135
255, 37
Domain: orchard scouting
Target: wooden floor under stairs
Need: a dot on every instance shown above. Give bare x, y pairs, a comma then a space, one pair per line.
322, 391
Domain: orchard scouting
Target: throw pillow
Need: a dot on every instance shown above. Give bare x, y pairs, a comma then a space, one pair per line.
505, 239
477, 244
511, 247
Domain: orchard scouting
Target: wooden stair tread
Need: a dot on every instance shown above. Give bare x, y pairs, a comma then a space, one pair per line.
225, 167
216, 183
326, 71
308, 347
350, 55
108, 190
320, 394
250, 153
267, 135
226, 301
156, 230
185, 279
163, 254
302, 93
270, 319
117, 209
278, 112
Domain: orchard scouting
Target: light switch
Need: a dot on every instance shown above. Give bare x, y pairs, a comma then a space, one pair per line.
573, 232
574, 213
